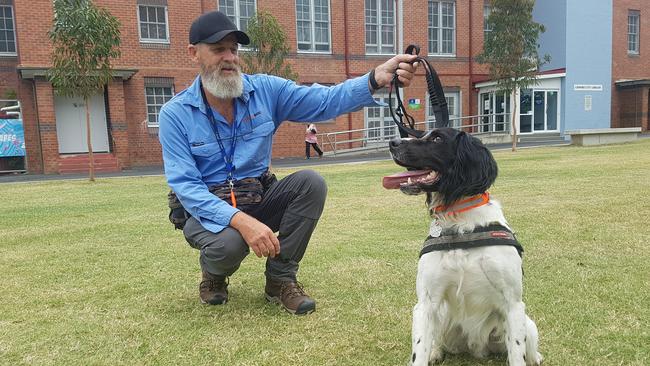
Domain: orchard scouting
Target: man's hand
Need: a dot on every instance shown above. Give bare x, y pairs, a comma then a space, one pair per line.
401, 63
258, 236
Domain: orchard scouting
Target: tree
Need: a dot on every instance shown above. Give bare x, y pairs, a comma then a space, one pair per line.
85, 38
268, 47
510, 49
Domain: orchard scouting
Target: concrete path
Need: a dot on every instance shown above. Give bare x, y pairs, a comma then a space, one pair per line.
358, 157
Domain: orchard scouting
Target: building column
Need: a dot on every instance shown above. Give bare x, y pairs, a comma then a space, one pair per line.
118, 125
47, 125
645, 109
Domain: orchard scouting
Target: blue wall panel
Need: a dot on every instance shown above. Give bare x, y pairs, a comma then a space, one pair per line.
588, 62
552, 14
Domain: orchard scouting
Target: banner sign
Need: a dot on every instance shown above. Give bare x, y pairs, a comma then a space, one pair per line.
12, 138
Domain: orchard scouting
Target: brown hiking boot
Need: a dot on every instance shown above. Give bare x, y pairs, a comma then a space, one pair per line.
290, 295
213, 289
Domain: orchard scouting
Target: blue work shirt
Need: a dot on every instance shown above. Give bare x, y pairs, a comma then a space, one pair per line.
194, 160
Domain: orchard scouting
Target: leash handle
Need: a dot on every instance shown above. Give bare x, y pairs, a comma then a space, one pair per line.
412, 47
409, 51
436, 98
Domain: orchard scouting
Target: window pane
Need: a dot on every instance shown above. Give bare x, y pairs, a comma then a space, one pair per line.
155, 97
144, 31
227, 7
312, 23
7, 36
525, 101
633, 32
162, 31
153, 24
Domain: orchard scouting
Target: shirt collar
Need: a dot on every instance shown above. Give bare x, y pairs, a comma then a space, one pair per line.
193, 94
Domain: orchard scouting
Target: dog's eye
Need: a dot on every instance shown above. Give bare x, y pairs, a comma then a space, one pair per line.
437, 139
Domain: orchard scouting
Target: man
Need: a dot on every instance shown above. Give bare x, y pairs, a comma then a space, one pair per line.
218, 133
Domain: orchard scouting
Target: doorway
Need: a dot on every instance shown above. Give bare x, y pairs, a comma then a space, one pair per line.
539, 111
495, 111
71, 124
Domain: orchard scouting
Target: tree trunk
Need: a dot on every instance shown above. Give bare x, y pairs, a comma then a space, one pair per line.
91, 158
513, 122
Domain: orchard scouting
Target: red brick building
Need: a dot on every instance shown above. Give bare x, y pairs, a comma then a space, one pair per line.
631, 64
338, 40
330, 41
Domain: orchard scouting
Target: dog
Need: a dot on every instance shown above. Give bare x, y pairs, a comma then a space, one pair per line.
469, 277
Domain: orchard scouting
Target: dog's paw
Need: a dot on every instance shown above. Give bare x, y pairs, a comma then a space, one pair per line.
436, 356
536, 361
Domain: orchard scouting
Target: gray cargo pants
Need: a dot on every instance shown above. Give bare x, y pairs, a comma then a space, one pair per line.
291, 207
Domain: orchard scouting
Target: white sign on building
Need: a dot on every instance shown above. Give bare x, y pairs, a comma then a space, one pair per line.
588, 87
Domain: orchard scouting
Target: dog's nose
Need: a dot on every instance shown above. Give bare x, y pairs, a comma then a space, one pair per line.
395, 141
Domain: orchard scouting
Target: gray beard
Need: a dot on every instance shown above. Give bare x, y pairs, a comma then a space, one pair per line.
222, 87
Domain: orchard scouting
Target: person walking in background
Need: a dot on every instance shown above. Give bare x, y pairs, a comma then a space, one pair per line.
312, 141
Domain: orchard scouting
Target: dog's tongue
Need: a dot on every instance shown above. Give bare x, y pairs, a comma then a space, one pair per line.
393, 181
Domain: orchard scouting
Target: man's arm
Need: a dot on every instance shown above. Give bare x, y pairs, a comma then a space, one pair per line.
317, 103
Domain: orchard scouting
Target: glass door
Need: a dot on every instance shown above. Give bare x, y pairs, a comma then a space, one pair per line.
487, 109
539, 111
501, 112
551, 110
526, 112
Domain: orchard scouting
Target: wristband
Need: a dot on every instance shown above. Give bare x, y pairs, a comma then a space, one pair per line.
373, 81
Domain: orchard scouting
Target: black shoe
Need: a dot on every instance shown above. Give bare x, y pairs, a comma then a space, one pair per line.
213, 289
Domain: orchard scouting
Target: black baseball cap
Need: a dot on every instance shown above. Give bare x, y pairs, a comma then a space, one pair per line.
212, 27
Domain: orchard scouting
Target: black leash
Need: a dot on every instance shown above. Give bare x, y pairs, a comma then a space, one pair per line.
436, 97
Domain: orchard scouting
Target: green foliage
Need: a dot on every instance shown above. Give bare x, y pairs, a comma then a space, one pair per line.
510, 48
268, 46
85, 39
10, 94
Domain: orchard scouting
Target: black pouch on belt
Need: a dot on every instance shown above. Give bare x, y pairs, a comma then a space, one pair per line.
248, 193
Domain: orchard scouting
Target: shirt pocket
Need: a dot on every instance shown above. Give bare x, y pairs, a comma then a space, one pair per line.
256, 152
208, 150
264, 129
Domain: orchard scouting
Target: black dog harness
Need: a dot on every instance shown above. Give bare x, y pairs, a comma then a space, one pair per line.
494, 234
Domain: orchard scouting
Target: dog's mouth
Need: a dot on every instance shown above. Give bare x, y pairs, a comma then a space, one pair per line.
411, 181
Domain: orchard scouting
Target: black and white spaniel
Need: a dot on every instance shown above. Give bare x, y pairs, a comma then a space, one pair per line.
469, 280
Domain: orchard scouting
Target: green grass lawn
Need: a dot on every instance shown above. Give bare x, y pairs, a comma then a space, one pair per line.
94, 274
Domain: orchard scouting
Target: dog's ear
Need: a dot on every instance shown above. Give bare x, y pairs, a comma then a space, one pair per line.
472, 172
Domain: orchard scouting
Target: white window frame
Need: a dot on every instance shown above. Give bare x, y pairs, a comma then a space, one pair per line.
453, 99
237, 17
386, 129
378, 32
312, 29
487, 27
13, 30
156, 105
439, 6
633, 32
153, 40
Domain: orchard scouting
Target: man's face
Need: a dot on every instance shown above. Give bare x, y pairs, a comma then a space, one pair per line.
220, 70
